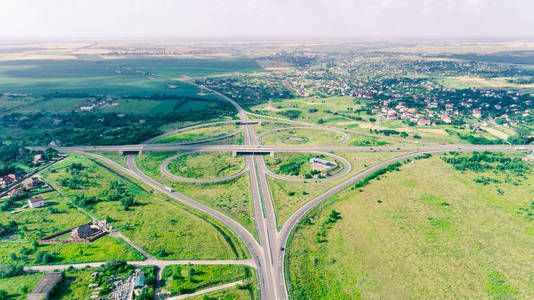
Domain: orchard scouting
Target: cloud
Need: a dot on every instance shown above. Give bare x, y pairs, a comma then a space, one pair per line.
265, 18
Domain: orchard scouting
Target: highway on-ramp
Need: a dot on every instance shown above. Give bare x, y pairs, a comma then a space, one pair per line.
267, 254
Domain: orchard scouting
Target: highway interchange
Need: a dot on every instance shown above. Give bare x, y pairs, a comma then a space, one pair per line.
267, 254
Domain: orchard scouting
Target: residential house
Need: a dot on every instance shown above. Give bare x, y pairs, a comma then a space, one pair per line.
424, 123
37, 158
15, 191
36, 202
446, 119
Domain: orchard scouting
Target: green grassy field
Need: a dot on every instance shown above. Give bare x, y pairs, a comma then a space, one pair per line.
329, 110
161, 226
289, 196
206, 165
230, 197
233, 293
199, 134
301, 136
114, 156
18, 287
60, 215
187, 279
289, 163
265, 126
236, 139
362, 140
78, 289
298, 164
435, 234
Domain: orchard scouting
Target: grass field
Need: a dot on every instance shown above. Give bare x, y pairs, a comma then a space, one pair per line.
289, 163
18, 287
362, 140
233, 293
198, 134
289, 196
78, 289
265, 126
161, 226
206, 165
329, 110
236, 139
435, 234
60, 215
114, 156
187, 279
298, 164
230, 197
301, 136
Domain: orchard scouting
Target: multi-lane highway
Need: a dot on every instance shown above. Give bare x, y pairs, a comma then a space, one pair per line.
260, 148
267, 255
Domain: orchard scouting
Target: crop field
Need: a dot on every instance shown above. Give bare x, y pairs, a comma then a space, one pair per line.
230, 197
18, 287
289, 196
301, 136
463, 82
199, 134
191, 67
187, 279
404, 234
206, 165
112, 76
161, 226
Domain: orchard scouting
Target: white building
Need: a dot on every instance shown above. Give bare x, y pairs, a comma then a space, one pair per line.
323, 162
36, 202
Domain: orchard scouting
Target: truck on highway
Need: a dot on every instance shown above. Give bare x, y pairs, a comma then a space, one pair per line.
170, 190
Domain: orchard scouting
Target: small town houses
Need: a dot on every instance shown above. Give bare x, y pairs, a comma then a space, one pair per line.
8, 179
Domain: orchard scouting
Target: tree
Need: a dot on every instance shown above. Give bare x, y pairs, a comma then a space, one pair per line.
127, 201
7, 271
522, 132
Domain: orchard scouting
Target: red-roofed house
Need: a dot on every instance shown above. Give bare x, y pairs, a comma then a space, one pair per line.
424, 123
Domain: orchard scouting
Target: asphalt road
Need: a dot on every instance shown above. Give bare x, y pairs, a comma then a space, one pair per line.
260, 148
268, 255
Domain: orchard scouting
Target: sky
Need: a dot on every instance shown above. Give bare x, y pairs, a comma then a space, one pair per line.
265, 19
